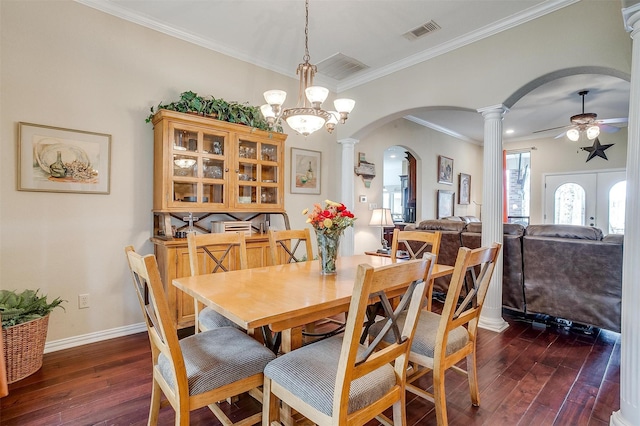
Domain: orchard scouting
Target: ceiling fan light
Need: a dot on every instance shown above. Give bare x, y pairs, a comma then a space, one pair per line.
593, 132
573, 135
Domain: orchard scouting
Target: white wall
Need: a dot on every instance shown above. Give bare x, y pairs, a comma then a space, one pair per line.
67, 65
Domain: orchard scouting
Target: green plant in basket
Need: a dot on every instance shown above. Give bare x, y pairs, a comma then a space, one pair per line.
17, 308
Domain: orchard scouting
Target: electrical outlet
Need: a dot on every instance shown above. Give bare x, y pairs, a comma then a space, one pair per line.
373, 206
83, 301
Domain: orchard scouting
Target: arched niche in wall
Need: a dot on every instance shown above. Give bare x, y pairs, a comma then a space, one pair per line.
399, 184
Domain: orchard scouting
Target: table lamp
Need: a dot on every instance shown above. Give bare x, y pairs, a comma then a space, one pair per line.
383, 219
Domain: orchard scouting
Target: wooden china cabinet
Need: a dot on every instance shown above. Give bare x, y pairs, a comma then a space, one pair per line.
204, 170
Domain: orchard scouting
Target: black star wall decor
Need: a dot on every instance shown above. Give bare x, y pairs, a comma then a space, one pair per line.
596, 150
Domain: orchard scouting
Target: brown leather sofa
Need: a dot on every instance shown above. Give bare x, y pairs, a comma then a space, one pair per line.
564, 271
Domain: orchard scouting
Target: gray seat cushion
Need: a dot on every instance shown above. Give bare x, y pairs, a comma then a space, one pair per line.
210, 319
310, 374
424, 341
216, 358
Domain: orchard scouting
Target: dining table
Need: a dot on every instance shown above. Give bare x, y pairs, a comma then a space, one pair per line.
283, 298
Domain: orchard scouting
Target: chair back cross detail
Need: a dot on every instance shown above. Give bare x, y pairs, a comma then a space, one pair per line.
352, 384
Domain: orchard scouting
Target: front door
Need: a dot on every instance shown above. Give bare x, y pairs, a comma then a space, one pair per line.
580, 198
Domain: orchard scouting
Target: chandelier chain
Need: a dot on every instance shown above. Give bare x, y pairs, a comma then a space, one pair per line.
306, 56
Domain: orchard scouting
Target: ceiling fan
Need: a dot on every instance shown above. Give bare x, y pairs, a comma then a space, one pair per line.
588, 123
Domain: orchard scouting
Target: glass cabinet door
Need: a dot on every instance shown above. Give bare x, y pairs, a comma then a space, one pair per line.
199, 166
257, 173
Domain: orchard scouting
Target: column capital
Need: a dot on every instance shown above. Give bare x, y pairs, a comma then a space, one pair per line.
631, 17
494, 109
348, 141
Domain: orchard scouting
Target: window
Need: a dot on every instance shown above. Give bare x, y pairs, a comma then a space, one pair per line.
617, 196
518, 191
570, 204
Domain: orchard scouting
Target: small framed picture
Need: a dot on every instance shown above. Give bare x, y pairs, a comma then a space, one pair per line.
464, 189
53, 159
305, 171
445, 170
445, 200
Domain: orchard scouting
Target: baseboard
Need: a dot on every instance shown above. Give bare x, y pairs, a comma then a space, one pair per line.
71, 342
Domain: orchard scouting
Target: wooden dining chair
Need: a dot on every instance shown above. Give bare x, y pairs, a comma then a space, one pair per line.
338, 380
442, 340
210, 254
200, 369
294, 245
290, 246
415, 244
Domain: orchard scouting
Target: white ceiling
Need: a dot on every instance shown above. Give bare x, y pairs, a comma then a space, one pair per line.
270, 34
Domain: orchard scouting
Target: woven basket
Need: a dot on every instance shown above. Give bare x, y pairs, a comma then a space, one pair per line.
24, 348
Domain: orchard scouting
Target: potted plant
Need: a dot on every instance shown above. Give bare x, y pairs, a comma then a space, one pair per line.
25, 318
232, 112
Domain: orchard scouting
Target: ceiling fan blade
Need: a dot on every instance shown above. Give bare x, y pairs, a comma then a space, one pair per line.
560, 135
552, 128
614, 120
608, 129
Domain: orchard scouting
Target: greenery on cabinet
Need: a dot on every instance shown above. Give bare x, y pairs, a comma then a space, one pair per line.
232, 112
17, 308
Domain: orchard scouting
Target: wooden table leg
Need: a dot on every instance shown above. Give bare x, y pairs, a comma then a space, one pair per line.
291, 339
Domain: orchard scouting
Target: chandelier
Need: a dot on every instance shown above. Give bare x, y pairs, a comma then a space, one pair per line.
308, 115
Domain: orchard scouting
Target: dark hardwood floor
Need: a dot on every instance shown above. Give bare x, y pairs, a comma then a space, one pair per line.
530, 374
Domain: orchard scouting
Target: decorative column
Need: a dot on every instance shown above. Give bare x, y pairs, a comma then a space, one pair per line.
347, 190
492, 183
629, 413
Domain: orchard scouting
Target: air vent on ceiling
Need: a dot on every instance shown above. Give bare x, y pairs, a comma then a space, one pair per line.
422, 30
340, 66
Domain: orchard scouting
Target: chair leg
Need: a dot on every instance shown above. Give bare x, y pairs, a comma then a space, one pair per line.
439, 396
430, 294
182, 414
154, 409
399, 412
196, 328
270, 405
472, 373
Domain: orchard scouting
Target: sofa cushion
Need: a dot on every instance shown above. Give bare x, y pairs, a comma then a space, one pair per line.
565, 231
507, 228
441, 225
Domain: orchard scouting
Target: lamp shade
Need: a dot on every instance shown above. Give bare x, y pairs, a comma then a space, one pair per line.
381, 217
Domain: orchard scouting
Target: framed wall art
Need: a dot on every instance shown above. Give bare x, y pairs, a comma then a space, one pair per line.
446, 200
464, 189
53, 159
445, 170
305, 171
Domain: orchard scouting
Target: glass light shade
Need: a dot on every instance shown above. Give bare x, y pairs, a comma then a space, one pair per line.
305, 124
267, 111
593, 132
344, 105
316, 94
333, 117
184, 163
275, 97
573, 134
381, 217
